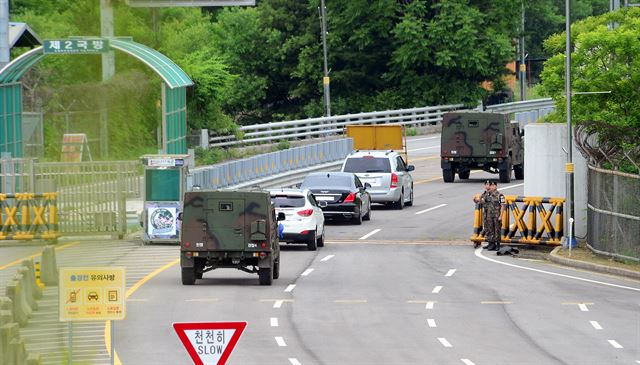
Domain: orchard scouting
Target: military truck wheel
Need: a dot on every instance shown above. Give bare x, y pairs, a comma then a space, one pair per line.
519, 171
312, 243
464, 174
276, 269
188, 275
505, 175
265, 275
448, 175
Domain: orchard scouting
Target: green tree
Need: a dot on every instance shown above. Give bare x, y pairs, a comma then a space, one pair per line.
603, 59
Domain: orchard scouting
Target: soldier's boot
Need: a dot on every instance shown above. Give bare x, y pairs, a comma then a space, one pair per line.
491, 246
498, 246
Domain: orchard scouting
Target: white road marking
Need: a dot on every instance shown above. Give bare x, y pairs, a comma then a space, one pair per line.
583, 307
327, 258
290, 288
467, 362
423, 139
370, 234
479, 254
615, 344
450, 272
277, 304
423, 148
437, 289
430, 209
307, 272
294, 361
596, 325
511, 186
429, 305
431, 322
444, 342
274, 322
281, 342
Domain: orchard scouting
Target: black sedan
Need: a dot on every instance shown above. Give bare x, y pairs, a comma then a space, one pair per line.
344, 193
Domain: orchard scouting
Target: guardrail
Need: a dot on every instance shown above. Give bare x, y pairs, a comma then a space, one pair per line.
272, 166
326, 126
522, 106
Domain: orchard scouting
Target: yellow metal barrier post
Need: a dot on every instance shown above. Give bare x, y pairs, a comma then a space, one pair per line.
27, 218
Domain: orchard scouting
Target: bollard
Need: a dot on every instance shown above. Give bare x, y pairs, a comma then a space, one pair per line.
28, 287
21, 310
31, 271
34, 359
39, 282
19, 351
8, 332
49, 267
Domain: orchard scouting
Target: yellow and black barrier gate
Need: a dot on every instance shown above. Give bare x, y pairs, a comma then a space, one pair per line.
536, 220
28, 216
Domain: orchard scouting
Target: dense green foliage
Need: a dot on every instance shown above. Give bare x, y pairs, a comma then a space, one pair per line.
262, 64
604, 59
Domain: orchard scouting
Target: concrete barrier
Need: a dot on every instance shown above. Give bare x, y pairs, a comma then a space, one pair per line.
19, 350
8, 333
15, 291
34, 359
28, 287
32, 278
49, 266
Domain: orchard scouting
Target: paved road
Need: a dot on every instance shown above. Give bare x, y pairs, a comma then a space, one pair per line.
414, 292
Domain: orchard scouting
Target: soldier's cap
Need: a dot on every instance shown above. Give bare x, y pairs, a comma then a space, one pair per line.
492, 182
487, 182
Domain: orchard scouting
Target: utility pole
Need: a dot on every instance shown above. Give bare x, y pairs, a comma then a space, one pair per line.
4, 33
106, 30
523, 67
325, 79
569, 165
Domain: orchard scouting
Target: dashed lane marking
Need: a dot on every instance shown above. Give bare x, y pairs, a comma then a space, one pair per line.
596, 325
431, 322
430, 209
615, 344
437, 289
467, 362
423, 148
278, 303
307, 272
429, 305
327, 258
370, 234
290, 288
444, 342
274, 322
450, 272
280, 341
511, 186
583, 307
294, 361
479, 254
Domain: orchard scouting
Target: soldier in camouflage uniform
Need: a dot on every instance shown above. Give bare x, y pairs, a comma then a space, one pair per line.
492, 203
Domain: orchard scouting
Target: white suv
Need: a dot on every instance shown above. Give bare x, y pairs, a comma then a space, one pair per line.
386, 172
304, 220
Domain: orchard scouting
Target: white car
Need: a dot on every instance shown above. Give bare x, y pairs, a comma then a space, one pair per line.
304, 221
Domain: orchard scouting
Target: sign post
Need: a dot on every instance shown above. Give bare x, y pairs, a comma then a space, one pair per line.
90, 294
209, 343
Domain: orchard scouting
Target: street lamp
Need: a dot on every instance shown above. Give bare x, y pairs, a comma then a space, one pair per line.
569, 164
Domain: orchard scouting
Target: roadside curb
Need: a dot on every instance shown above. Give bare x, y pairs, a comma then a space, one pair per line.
554, 257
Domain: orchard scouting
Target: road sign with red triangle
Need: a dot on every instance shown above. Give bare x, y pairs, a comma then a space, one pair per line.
209, 343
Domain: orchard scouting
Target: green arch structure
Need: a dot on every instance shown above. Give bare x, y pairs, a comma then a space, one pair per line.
174, 96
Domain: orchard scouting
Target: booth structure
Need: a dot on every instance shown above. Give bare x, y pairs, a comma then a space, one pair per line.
165, 181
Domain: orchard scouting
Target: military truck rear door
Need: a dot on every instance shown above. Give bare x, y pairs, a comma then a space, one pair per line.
226, 223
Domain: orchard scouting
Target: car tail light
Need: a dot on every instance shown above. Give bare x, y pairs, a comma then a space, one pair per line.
304, 232
187, 244
263, 245
350, 198
394, 180
305, 213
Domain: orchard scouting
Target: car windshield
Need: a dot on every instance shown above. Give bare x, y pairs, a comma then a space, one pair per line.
327, 180
287, 201
367, 164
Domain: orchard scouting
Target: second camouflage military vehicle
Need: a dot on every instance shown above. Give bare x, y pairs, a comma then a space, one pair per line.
229, 229
481, 141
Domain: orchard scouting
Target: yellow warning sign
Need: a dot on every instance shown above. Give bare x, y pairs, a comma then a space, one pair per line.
92, 293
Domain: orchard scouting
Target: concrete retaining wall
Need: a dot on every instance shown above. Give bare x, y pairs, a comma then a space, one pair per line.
544, 168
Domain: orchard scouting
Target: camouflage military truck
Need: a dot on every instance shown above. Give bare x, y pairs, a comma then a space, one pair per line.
481, 141
229, 229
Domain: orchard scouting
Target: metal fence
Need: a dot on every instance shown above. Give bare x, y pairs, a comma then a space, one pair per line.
259, 167
614, 213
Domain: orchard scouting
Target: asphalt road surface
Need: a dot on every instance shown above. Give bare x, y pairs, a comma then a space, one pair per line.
404, 288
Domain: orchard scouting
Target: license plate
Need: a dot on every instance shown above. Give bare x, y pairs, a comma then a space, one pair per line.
324, 198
